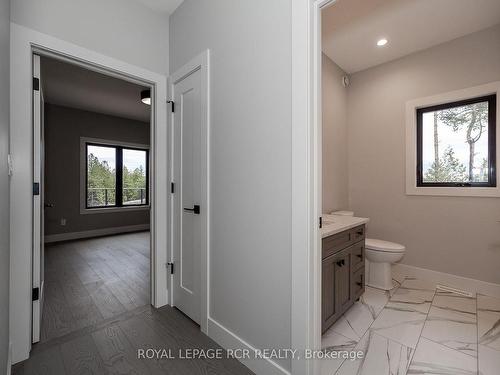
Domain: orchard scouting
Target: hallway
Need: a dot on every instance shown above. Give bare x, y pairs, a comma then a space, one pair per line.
111, 347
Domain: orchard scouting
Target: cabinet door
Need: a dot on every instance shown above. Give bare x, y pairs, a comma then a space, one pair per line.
329, 311
343, 280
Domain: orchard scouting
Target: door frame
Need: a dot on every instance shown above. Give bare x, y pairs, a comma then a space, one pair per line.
306, 180
38, 266
24, 43
201, 63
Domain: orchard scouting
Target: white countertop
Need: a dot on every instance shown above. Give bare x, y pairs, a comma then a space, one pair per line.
333, 224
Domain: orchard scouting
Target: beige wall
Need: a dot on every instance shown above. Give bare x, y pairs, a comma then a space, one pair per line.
335, 175
63, 129
449, 234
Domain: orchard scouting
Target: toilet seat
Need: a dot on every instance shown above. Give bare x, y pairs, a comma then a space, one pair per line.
383, 246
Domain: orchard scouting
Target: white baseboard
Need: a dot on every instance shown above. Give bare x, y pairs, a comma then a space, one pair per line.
464, 283
9, 359
228, 340
95, 233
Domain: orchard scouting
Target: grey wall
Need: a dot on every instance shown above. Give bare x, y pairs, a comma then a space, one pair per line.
250, 233
4, 181
63, 129
123, 29
457, 235
334, 150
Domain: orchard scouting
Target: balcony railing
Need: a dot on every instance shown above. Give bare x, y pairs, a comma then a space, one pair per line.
104, 197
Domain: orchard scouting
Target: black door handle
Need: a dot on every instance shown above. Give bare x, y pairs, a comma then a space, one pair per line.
195, 210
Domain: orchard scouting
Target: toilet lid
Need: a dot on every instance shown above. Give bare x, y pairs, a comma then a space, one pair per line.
381, 245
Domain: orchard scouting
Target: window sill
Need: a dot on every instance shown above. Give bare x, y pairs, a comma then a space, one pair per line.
107, 210
486, 192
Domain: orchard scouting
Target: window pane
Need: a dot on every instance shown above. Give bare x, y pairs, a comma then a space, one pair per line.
101, 176
134, 177
455, 144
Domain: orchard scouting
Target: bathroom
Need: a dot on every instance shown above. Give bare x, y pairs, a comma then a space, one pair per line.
408, 185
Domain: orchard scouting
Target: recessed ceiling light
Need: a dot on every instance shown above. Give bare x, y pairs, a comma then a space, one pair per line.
146, 97
381, 42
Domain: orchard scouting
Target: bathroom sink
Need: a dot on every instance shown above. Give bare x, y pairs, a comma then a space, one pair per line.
328, 221
333, 224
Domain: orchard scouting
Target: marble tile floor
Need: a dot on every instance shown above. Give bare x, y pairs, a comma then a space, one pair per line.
414, 329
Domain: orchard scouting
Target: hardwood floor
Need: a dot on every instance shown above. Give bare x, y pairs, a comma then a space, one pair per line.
91, 280
111, 347
97, 315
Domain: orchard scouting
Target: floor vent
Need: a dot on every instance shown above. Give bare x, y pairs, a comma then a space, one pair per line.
449, 289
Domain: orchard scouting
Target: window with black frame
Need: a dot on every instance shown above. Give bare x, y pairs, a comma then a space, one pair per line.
116, 176
456, 144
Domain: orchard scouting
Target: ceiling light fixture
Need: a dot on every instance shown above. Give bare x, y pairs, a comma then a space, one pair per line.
381, 42
146, 97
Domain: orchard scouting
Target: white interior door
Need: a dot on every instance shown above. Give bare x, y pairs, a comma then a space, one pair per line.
190, 203
38, 204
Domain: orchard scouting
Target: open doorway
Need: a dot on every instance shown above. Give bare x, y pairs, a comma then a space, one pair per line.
402, 116
92, 197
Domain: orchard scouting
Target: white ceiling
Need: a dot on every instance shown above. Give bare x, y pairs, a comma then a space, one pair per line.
163, 6
72, 86
351, 28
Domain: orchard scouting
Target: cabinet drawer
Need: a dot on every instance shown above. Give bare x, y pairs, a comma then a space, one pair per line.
358, 283
357, 255
332, 244
358, 233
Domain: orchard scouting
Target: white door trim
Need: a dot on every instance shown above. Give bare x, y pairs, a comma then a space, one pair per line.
24, 42
306, 180
202, 63
37, 203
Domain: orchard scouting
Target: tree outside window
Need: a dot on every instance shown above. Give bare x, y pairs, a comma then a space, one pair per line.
116, 176
456, 143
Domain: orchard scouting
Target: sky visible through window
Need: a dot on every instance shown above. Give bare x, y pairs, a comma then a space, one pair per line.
132, 158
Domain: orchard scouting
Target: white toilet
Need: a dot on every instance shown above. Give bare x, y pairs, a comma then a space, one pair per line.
380, 255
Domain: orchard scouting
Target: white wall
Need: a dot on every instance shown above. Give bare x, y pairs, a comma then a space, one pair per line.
250, 234
123, 29
457, 235
334, 137
4, 181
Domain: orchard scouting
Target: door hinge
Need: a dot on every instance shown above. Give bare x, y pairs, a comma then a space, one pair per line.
36, 188
35, 294
170, 267
36, 84
173, 104
172, 187
320, 222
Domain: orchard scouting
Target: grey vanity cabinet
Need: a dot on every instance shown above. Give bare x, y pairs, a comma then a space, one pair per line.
343, 267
